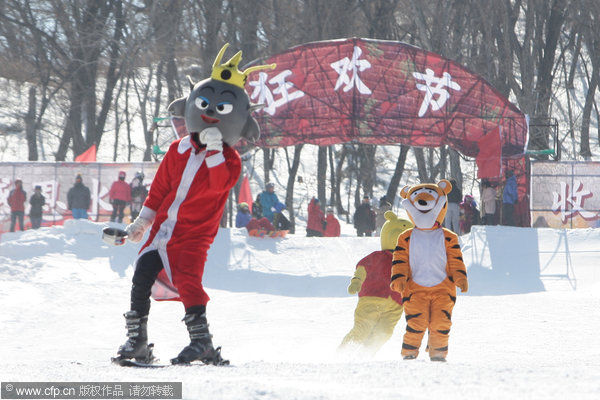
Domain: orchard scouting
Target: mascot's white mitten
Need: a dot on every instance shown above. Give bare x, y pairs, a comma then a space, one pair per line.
135, 230
212, 138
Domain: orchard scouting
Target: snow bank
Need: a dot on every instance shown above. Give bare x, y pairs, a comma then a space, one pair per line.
526, 329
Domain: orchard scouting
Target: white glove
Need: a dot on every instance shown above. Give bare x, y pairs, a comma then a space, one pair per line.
135, 231
212, 138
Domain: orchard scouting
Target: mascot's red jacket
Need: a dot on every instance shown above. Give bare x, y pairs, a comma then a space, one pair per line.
186, 201
378, 265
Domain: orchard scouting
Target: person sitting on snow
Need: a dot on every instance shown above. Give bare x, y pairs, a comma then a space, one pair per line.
268, 200
379, 308
257, 208
280, 221
243, 215
262, 224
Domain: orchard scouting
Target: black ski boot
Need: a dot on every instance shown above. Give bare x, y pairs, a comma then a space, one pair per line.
136, 345
201, 346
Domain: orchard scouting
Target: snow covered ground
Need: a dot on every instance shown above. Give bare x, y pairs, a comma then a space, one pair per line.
528, 328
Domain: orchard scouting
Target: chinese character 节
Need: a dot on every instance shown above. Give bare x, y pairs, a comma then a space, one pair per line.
434, 86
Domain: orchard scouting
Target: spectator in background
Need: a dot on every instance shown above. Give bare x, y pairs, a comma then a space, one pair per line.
280, 221
37, 201
243, 215
257, 208
455, 196
78, 199
16, 201
119, 195
258, 224
138, 194
509, 199
268, 199
488, 203
364, 218
332, 228
384, 205
469, 214
315, 226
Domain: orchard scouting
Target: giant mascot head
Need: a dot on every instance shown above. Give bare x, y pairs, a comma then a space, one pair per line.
426, 204
391, 229
221, 102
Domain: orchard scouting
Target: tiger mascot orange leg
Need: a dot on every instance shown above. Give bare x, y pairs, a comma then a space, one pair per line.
427, 309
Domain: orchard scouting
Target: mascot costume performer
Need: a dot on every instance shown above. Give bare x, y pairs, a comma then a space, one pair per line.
184, 207
427, 265
379, 308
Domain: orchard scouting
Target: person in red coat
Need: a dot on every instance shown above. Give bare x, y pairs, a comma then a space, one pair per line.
333, 225
119, 195
316, 219
16, 201
184, 206
379, 308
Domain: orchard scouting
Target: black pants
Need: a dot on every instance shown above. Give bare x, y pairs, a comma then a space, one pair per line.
146, 270
508, 214
36, 221
13, 220
118, 207
489, 219
361, 233
312, 232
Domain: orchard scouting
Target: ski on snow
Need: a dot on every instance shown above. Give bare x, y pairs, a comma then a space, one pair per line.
152, 362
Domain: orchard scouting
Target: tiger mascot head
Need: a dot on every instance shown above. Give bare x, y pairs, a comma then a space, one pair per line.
391, 229
426, 204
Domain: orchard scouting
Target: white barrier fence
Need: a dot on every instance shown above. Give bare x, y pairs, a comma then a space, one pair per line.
56, 178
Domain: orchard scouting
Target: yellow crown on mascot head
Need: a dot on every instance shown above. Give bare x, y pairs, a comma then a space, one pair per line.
391, 229
229, 72
426, 204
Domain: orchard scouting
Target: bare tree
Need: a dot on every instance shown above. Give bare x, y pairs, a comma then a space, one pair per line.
91, 29
292, 173
588, 17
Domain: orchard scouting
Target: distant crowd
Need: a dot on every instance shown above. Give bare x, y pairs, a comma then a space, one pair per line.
121, 195
268, 214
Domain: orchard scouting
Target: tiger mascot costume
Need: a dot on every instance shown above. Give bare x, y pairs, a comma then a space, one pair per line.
427, 264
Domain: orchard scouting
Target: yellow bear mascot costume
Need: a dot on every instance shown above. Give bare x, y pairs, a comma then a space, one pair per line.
378, 309
427, 265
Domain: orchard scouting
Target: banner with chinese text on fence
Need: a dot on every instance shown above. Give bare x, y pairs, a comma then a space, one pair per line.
565, 194
55, 180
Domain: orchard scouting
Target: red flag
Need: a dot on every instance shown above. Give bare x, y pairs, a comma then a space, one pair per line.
245, 193
489, 158
87, 156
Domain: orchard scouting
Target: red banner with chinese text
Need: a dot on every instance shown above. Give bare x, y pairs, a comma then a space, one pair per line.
379, 92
